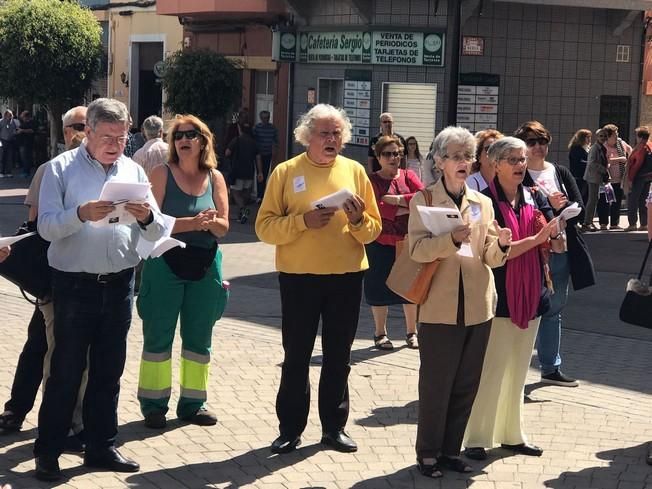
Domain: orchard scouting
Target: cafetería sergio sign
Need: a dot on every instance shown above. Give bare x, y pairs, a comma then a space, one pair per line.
378, 47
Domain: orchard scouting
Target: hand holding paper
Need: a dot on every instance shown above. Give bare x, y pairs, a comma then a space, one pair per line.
117, 196
440, 220
9, 240
336, 199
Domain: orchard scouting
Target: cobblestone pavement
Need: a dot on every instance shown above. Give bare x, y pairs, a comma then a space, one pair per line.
594, 436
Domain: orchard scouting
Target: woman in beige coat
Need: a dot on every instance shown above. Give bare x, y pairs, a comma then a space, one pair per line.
455, 319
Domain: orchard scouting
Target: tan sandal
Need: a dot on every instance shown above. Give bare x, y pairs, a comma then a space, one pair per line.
382, 342
412, 341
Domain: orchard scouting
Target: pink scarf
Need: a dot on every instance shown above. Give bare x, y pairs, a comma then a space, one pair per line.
523, 273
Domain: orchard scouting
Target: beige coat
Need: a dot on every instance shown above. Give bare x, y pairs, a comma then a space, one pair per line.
479, 290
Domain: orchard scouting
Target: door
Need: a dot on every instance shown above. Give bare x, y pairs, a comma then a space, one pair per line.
146, 90
413, 107
265, 85
615, 109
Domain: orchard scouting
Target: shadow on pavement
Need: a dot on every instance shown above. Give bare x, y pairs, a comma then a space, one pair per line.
237, 471
625, 464
391, 415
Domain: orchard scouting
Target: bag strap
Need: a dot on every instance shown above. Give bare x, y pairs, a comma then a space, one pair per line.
427, 196
647, 254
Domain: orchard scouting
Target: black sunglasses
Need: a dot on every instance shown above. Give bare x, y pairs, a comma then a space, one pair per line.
390, 154
79, 126
190, 134
530, 142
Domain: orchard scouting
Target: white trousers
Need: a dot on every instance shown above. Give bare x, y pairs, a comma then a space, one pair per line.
497, 412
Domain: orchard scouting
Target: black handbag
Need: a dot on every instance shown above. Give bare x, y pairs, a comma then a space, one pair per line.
27, 265
637, 306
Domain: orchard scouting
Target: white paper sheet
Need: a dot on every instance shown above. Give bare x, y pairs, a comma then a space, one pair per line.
335, 199
120, 193
570, 211
440, 220
9, 240
147, 249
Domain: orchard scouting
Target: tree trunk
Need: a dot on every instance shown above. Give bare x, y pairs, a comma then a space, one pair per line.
55, 111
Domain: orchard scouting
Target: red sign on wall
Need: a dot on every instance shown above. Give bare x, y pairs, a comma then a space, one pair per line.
472, 46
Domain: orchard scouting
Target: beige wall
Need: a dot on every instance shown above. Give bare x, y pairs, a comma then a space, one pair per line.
143, 25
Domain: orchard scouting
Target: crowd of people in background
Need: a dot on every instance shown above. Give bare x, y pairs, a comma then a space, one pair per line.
499, 291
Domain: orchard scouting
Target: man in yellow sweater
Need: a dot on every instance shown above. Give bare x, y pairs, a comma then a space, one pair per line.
321, 259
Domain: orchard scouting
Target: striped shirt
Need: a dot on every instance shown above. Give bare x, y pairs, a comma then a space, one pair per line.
266, 136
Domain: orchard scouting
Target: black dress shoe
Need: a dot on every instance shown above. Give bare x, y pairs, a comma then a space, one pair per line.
74, 444
285, 444
475, 453
525, 449
47, 468
110, 459
155, 421
339, 441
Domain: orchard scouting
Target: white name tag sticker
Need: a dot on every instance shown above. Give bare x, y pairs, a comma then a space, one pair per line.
527, 196
299, 184
476, 212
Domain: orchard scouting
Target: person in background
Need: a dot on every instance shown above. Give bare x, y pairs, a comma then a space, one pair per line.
414, 161
595, 175
483, 170
266, 136
386, 129
155, 150
617, 153
393, 188
497, 414
639, 175
184, 284
578, 157
8, 128
455, 319
246, 162
321, 260
571, 260
92, 287
25, 140
33, 367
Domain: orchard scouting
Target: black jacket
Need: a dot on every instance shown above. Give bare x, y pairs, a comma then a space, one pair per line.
582, 271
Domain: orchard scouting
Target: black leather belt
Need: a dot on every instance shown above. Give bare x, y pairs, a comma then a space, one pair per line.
101, 278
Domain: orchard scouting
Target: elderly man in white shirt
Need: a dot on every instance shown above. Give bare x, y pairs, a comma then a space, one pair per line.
155, 150
92, 287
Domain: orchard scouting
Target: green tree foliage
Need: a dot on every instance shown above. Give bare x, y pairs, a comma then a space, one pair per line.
202, 83
50, 54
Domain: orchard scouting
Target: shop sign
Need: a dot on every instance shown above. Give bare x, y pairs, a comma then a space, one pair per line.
357, 104
379, 47
477, 101
472, 46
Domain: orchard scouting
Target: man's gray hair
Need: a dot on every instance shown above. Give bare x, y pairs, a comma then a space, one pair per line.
386, 114
321, 111
453, 135
152, 127
106, 110
66, 118
501, 148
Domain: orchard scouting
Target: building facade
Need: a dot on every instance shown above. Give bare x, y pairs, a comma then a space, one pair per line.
478, 63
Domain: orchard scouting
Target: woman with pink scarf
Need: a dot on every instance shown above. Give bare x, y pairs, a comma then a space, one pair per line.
520, 283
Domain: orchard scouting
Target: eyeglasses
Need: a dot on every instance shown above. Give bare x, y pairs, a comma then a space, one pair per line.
120, 140
189, 134
530, 142
459, 158
386, 122
328, 134
390, 154
513, 161
78, 126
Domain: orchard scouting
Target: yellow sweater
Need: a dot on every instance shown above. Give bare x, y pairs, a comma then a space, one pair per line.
335, 248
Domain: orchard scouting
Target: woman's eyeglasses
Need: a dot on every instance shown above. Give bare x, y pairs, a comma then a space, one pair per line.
190, 134
530, 142
390, 154
80, 126
514, 161
459, 158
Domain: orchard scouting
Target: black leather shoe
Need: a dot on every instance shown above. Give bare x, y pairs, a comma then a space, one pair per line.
339, 441
525, 449
475, 453
285, 444
74, 444
47, 468
155, 421
110, 459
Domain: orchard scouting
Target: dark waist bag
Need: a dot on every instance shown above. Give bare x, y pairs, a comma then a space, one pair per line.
191, 262
27, 264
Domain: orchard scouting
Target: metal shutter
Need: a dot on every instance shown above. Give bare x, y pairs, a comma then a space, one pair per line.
413, 107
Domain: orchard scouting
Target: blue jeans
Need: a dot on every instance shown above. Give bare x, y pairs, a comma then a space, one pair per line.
549, 335
91, 321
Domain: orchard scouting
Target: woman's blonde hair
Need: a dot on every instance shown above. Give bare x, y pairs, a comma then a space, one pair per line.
580, 138
207, 157
480, 138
